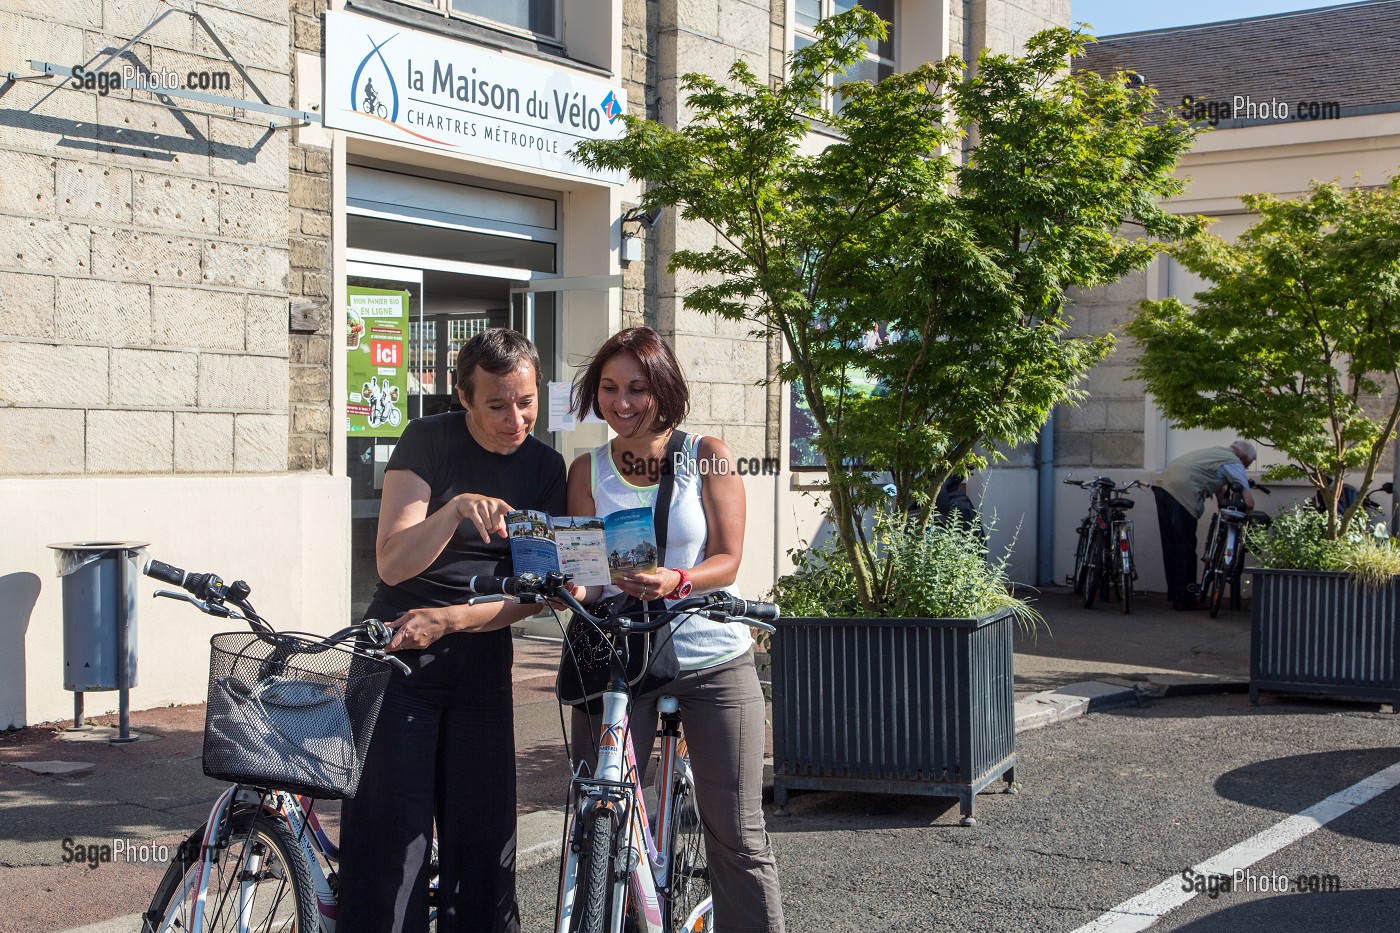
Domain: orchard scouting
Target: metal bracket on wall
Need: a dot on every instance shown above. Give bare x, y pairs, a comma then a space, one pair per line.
164, 95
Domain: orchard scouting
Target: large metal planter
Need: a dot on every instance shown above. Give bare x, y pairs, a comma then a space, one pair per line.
896, 706
1314, 632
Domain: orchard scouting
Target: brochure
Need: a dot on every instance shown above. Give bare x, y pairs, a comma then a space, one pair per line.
594, 551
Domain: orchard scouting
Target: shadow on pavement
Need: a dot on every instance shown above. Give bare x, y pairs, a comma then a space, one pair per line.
822, 811
1288, 785
1339, 910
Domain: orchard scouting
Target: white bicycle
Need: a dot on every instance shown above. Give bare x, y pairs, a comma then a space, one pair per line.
618, 862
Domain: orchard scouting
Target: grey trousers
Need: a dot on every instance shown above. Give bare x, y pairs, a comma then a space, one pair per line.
721, 710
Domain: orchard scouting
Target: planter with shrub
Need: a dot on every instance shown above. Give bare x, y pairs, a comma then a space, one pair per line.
1325, 613
917, 704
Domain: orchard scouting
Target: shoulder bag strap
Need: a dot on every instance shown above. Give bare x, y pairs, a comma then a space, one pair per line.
662, 513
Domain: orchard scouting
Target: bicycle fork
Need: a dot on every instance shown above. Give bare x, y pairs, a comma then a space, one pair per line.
214, 841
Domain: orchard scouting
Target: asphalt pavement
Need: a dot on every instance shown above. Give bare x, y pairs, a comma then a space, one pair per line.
897, 858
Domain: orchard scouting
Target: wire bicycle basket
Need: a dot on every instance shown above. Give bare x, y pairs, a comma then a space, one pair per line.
290, 713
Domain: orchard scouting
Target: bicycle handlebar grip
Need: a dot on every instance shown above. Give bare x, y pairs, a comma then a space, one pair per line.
164, 572
490, 586
752, 609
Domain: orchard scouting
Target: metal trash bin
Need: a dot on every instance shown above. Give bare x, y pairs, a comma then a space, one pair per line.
99, 621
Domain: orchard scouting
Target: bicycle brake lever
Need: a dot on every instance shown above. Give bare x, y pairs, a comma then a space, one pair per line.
755, 623
213, 609
493, 598
404, 668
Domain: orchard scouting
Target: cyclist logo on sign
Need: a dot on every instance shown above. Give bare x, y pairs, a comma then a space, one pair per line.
364, 98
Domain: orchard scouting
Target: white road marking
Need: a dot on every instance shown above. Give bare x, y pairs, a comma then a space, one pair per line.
1147, 908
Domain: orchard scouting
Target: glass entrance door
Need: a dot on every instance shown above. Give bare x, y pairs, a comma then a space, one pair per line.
446, 305
384, 389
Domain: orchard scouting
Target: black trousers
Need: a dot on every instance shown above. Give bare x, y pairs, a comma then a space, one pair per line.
444, 747
1178, 529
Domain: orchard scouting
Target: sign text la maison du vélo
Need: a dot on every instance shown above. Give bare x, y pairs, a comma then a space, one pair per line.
564, 107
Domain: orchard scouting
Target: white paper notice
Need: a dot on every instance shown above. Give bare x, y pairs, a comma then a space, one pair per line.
560, 417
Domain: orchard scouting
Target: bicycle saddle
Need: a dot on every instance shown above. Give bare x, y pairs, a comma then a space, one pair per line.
1120, 503
1259, 518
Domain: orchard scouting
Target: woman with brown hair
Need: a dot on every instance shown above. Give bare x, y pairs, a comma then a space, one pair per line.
444, 746
635, 383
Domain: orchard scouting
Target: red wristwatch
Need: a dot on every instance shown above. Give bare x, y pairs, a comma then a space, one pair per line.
682, 589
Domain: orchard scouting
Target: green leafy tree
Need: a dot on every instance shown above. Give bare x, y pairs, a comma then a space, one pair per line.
1295, 341
952, 209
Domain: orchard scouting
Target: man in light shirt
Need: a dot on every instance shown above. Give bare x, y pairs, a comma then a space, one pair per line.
1181, 494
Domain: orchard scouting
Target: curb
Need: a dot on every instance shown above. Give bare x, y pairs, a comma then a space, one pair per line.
1074, 700
537, 838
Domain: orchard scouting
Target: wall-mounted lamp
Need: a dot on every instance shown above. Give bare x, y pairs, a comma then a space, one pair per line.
631, 246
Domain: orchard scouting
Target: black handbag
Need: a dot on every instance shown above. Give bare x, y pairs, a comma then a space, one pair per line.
651, 657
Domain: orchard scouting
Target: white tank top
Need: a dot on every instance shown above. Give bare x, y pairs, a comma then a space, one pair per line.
699, 642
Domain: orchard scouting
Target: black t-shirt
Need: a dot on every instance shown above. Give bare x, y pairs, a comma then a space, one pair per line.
441, 451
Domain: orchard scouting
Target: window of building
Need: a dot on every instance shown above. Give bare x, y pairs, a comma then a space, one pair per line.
879, 55
538, 19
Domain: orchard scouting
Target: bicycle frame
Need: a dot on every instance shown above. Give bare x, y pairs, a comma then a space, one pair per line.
616, 787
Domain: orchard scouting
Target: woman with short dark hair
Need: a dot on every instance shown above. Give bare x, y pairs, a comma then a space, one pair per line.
444, 746
635, 383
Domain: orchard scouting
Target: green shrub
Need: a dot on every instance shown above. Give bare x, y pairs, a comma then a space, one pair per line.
1297, 540
944, 573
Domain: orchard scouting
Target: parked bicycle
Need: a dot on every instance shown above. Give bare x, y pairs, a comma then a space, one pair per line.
1371, 512
1226, 543
619, 862
289, 719
1103, 557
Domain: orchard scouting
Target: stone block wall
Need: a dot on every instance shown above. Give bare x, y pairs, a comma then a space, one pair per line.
145, 266
640, 19
1005, 25
1106, 429
309, 285
726, 363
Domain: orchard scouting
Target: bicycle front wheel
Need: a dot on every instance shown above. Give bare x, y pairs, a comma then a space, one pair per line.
1220, 572
1093, 571
597, 875
688, 873
1081, 552
258, 880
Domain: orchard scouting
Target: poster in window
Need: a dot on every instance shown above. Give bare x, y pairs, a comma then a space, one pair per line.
376, 371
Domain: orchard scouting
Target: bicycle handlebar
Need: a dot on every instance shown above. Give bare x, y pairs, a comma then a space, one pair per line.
1103, 482
208, 593
529, 587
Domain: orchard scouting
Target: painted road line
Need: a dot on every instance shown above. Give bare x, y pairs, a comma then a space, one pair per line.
1141, 912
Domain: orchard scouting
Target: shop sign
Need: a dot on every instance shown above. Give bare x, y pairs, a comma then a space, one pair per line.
396, 83
376, 370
